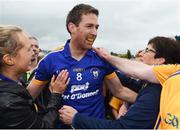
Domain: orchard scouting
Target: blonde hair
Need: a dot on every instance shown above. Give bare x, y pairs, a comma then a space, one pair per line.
9, 40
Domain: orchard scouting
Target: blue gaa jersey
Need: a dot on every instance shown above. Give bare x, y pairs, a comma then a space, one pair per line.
84, 91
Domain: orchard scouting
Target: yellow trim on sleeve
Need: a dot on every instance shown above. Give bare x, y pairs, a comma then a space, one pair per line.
110, 76
39, 82
115, 103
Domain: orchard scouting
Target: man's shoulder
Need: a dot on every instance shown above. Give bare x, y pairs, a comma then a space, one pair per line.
96, 56
54, 54
59, 48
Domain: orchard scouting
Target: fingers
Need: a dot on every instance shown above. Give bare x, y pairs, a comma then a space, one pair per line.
67, 82
66, 114
95, 48
61, 114
53, 78
63, 76
65, 107
59, 84
67, 110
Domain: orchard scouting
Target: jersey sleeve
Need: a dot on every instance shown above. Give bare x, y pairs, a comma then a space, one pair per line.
110, 71
110, 76
43, 72
115, 103
129, 82
162, 72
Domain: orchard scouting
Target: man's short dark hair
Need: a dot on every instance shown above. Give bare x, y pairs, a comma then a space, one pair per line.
76, 13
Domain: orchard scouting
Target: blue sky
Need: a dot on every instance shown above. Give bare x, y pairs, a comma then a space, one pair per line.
124, 24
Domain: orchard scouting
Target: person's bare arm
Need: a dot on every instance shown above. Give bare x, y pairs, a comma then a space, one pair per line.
132, 68
34, 89
119, 91
62, 80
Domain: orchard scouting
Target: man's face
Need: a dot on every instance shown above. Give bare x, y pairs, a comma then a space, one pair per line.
85, 33
35, 48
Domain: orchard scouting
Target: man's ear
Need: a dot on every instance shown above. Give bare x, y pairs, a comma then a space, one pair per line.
72, 27
8, 59
160, 61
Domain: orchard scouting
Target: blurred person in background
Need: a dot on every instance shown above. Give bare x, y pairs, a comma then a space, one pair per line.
27, 77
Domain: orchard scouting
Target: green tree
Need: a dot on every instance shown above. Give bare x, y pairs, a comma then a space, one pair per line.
129, 56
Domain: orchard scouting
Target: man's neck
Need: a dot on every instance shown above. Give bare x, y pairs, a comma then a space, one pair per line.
77, 52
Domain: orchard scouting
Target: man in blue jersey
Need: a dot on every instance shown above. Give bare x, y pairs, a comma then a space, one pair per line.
86, 69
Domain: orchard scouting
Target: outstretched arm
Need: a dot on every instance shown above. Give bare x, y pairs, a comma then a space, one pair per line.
132, 68
70, 116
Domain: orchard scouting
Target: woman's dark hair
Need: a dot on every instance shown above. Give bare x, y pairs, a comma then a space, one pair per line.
166, 48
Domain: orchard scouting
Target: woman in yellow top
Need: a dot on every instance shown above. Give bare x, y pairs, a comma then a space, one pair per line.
167, 75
